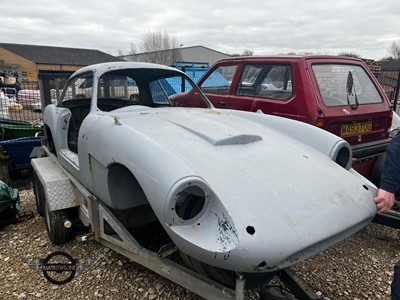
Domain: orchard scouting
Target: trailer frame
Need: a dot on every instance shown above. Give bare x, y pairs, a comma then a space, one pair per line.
53, 178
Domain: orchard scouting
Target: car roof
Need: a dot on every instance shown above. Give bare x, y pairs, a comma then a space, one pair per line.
112, 66
290, 57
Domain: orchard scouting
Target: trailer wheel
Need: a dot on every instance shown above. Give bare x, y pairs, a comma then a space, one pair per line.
13, 172
227, 277
56, 230
376, 171
39, 193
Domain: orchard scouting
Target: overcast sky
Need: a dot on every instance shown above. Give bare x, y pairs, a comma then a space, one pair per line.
365, 27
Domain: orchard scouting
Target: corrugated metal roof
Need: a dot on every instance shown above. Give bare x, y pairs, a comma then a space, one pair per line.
390, 65
59, 55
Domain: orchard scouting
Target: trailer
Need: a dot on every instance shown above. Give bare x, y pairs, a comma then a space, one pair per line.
56, 191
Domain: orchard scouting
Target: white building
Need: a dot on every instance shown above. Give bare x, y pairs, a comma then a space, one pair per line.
198, 54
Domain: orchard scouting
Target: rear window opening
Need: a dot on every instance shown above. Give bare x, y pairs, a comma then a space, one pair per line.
345, 85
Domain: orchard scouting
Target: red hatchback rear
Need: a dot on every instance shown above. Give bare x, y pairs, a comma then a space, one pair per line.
338, 94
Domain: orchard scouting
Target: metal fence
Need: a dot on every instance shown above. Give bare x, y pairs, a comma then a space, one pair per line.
388, 76
20, 131
21, 124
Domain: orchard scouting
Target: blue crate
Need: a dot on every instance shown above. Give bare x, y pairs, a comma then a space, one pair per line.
20, 149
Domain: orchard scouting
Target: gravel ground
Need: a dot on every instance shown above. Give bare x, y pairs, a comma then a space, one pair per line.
357, 268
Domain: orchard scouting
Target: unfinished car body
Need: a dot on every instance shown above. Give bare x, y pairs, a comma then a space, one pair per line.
236, 192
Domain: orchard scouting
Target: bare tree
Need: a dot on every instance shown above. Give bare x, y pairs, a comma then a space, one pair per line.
132, 49
349, 54
298, 53
394, 50
120, 52
161, 48
248, 52
244, 53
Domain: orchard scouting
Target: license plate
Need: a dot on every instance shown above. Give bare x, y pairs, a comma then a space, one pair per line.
355, 128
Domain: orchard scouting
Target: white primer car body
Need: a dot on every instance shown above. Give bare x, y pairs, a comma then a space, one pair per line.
235, 190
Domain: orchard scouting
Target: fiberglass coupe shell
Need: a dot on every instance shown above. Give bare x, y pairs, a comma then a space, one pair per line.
235, 190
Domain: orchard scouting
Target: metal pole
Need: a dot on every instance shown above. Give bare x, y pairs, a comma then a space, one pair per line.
396, 94
239, 287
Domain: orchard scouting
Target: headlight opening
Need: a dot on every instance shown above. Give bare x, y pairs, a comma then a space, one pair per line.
343, 157
190, 202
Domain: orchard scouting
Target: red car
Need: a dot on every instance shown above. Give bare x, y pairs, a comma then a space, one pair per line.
338, 94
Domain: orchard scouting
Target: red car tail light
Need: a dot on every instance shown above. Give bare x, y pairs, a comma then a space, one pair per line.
319, 122
390, 123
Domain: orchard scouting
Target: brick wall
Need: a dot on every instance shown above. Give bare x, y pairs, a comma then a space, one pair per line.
46, 67
27, 69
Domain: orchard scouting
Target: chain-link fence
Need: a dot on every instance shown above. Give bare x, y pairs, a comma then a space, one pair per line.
20, 130
388, 76
21, 124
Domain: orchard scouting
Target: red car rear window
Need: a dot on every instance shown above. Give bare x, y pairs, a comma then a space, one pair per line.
341, 84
